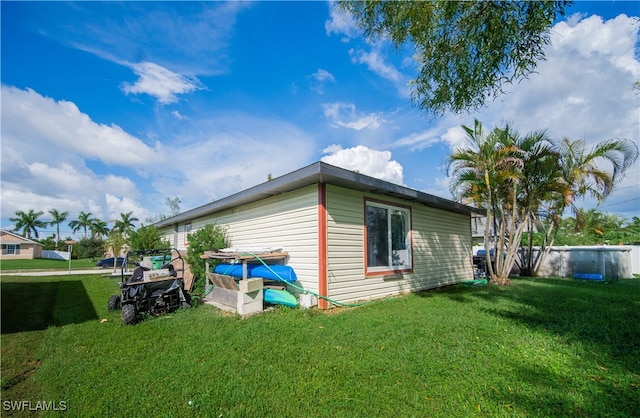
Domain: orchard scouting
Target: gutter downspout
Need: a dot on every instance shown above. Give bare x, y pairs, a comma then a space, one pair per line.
323, 288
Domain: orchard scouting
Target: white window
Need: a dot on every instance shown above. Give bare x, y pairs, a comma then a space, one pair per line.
388, 237
10, 249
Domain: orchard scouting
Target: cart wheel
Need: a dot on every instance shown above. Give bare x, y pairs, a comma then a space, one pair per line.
129, 314
114, 303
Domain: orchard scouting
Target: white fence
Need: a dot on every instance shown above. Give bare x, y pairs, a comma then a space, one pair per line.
635, 259
56, 255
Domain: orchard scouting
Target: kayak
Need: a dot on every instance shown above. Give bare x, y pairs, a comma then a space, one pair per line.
280, 297
275, 272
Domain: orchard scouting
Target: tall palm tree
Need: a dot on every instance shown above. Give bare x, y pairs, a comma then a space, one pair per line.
58, 218
541, 187
28, 222
125, 223
98, 228
84, 221
487, 175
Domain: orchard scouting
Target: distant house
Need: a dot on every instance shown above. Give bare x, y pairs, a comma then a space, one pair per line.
15, 246
349, 236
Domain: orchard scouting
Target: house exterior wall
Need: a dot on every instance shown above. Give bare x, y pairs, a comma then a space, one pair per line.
28, 250
288, 220
441, 243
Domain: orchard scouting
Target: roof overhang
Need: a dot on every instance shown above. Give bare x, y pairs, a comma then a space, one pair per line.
315, 173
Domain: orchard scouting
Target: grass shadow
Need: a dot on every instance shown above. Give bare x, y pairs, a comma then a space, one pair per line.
598, 321
579, 312
32, 306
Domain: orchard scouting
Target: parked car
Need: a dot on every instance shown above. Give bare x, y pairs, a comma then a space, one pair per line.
108, 262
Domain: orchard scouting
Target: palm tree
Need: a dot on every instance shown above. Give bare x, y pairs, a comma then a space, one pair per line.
487, 174
115, 242
98, 228
58, 218
125, 223
541, 187
84, 221
28, 222
581, 172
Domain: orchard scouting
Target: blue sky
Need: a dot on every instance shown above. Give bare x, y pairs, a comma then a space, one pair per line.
113, 107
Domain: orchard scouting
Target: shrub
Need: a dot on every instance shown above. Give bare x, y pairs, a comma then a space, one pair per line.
207, 238
90, 248
147, 238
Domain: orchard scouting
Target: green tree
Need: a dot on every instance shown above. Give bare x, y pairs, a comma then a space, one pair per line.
583, 170
530, 181
58, 218
487, 175
90, 248
147, 238
99, 228
541, 188
466, 51
115, 242
84, 222
28, 222
208, 237
49, 243
173, 204
126, 223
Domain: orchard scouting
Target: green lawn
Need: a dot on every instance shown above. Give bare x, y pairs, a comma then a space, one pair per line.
540, 347
46, 264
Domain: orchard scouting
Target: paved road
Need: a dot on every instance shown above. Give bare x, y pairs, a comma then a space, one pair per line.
58, 272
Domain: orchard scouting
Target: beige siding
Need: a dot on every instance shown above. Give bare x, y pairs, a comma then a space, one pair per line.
441, 241
288, 220
441, 249
28, 250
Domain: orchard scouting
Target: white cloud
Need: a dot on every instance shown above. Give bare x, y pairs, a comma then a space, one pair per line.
46, 148
226, 153
367, 161
323, 75
340, 23
376, 62
418, 140
346, 115
319, 78
584, 89
160, 83
187, 43
178, 115
49, 150
38, 126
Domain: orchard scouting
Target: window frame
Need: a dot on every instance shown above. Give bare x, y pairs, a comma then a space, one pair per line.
10, 249
388, 269
187, 231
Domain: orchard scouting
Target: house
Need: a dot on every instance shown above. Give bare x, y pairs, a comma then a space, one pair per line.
349, 236
15, 246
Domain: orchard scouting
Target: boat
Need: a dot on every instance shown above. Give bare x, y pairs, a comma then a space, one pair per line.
279, 297
271, 272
